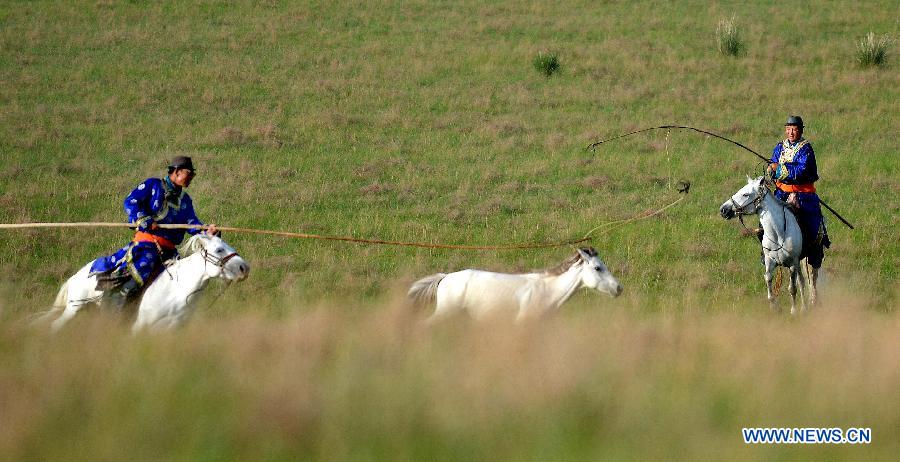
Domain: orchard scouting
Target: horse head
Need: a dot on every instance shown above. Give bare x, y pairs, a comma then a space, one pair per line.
596, 275
746, 201
221, 259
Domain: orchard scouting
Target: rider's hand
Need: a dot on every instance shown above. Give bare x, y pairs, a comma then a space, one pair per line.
213, 230
772, 170
792, 200
146, 224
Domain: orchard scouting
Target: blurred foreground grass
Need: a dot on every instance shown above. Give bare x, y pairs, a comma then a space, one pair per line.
343, 382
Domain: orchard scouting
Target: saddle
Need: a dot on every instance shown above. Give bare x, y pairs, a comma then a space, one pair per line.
810, 241
112, 279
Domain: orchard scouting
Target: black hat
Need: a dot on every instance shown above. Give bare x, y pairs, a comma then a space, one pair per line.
794, 120
181, 162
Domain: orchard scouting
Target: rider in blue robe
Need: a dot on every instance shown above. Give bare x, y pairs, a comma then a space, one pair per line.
154, 201
793, 168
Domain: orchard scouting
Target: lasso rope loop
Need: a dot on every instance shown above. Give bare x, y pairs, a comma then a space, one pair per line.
593, 147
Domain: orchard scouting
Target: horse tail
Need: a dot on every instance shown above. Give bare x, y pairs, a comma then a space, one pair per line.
425, 290
62, 296
59, 304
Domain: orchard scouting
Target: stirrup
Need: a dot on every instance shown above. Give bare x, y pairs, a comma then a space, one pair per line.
117, 298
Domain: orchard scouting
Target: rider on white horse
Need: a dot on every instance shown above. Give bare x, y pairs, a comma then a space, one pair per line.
155, 201
793, 168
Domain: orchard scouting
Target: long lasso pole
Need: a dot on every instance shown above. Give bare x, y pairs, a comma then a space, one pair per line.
593, 147
429, 245
300, 235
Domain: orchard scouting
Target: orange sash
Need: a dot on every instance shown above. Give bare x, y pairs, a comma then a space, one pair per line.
793, 188
141, 236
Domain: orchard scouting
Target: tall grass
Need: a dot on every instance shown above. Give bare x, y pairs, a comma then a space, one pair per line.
872, 50
728, 38
373, 383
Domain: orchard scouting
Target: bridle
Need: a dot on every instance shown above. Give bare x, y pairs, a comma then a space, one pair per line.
220, 262
740, 210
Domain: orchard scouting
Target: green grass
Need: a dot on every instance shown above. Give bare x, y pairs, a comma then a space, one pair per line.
427, 122
546, 63
411, 123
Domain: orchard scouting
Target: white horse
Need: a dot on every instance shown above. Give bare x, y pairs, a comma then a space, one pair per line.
483, 293
167, 302
782, 241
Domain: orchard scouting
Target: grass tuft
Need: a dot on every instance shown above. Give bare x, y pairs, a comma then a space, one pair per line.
728, 38
872, 50
546, 63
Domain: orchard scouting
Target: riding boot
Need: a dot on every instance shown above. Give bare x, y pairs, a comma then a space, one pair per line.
117, 299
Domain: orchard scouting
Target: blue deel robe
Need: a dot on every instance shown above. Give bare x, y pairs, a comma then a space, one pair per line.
154, 200
796, 166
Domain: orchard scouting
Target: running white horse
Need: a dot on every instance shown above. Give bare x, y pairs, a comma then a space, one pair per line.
782, 242
168, 301
483, 293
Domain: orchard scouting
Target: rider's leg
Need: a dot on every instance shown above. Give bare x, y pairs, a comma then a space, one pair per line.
120, 297
142, 264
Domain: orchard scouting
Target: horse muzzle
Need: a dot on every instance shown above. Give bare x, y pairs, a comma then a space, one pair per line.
237, 269
727, 211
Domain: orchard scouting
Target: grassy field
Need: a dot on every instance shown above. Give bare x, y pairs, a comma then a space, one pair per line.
428, 122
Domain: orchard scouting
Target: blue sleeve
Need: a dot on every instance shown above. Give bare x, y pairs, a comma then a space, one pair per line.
776, 153
803, 168
137, 204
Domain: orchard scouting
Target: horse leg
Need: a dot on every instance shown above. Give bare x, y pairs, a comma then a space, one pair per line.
439, 315
444, 308
68, 313
794, 286
813, 289
802, 287
530, 305
770, 271
75, 294
142, 321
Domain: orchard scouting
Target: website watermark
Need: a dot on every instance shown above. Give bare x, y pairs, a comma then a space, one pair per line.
812, 435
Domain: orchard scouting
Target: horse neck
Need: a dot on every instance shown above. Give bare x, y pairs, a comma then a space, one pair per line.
564, 285
189, 273
772, 216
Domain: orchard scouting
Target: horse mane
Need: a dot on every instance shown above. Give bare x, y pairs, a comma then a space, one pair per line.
190, 246
571, 261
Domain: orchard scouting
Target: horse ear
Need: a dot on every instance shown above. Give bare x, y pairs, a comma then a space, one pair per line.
584, 255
